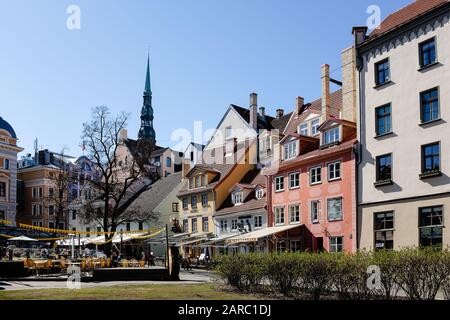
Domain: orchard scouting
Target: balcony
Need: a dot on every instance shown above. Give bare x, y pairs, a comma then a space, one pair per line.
382, 183
430, 174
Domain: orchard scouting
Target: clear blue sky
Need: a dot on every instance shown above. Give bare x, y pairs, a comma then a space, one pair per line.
205, 55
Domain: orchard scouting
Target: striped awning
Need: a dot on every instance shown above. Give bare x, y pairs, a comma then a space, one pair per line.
258, 234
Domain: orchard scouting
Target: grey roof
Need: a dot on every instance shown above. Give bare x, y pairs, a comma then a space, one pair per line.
150, 199
7, 127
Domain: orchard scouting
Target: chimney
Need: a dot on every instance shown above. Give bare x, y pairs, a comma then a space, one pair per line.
299, 105
262, 112
326, 103
123, 135
254, 110
360, 34
280, 113
348, 57
185, 168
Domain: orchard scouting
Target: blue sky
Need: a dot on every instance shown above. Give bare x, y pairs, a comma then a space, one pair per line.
205, 55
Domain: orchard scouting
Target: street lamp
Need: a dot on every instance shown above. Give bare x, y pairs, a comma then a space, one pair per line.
72, 238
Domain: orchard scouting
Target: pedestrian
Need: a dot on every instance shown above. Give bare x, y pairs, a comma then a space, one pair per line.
152, 259
10, 254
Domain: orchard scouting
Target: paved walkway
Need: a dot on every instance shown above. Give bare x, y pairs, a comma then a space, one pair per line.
186, 277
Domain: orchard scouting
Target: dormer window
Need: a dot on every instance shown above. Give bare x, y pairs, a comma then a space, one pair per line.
228, 132
259, 193
331, 136
238, 197
315, 123
204, 181
303, 129
290, 150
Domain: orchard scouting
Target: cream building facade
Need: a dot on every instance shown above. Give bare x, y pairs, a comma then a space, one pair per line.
404, 128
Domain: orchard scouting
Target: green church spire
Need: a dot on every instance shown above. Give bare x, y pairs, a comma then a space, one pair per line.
148, 87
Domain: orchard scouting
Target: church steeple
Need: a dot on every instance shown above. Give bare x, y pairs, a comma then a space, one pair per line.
146, 132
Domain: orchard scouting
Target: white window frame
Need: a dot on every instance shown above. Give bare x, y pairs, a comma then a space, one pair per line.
228, 132
290, 150
332, 135
259, 193
317, 220
223, 225
278, 182
333, 247
330, 170
313, 174
301, 128
204, 204
257, 222
314, 126
234, 224
291, 187
296, 215
342, 209
279, 216
238, 197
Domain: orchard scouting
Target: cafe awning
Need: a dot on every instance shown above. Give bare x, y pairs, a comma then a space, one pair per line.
258, 234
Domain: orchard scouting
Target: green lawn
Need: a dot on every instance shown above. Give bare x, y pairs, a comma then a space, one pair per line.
136, 292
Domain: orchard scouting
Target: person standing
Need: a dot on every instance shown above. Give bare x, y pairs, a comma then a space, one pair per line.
10, 254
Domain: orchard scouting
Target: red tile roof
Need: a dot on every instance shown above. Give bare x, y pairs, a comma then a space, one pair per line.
335, 108
406, 14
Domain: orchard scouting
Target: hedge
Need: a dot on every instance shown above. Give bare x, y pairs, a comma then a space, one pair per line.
418, 274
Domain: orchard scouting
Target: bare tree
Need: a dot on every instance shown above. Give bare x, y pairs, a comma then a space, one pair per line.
115, 187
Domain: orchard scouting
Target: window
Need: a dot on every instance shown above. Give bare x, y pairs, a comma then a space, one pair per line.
194, 225
2, 215
41, 210
383, 120
382, 72
234, 224
192, 156
257, 220
383, 227
34, 210
198, 181
2, 189
204, 182
87, 232
427, 51
194, 202
51, 192
334, 171
128, 226
185, 203
303, 129
204, 200
99, 230
259, 193
51, 225
41, 192
429, 105
74, 193
431, 158
279, 215
295, 245
294, 213
34, 192
174, 206
331, 136
6, 164
294, 180
205, 224
191, 183
315, 175
334, 209
141, 225
384, 168
279, 184
430, 226
168, 162
336, 244
185, 226
223, 225
315, 208
290, 150
238, 197
51, 210
228, 132
315, 123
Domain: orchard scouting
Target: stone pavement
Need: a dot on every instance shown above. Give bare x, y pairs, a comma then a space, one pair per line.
186, 277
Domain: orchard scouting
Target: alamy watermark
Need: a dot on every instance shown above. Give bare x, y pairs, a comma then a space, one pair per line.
73, 21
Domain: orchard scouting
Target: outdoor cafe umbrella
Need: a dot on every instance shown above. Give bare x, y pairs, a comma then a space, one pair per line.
21, 238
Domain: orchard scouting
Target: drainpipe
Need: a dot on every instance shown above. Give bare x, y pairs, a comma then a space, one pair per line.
358, 148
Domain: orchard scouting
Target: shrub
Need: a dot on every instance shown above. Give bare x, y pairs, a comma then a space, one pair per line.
422, 272
388, 262
283, 271
317, 273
